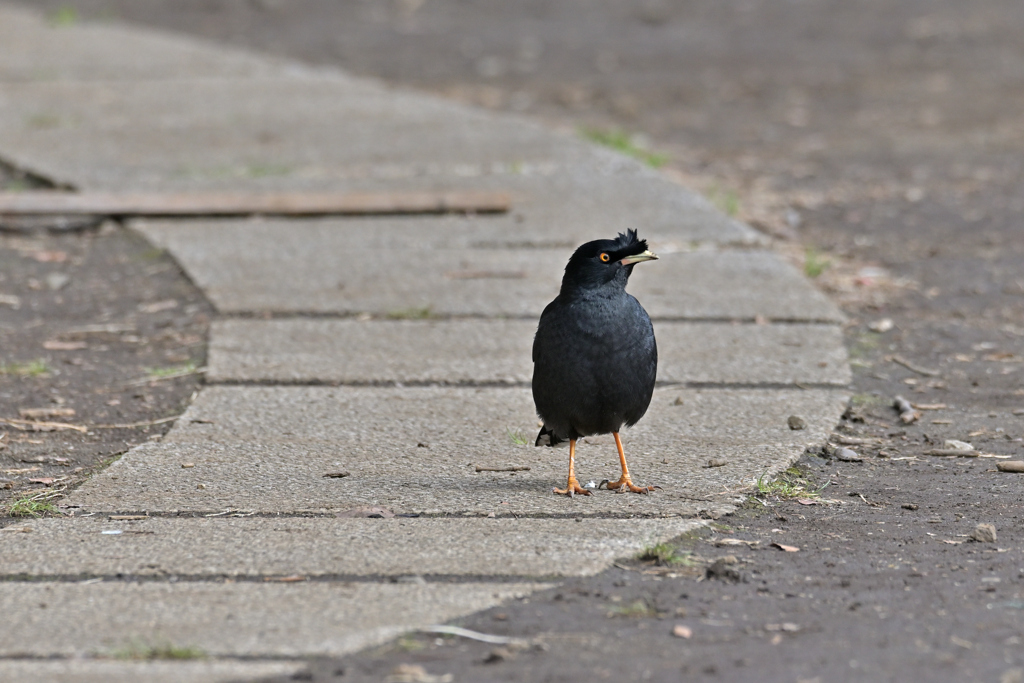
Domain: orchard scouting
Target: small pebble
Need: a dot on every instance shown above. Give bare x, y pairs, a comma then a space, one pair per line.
908, 506
847, 455
797, 422
680, 631
1011, 466
788, 626
984, 533
499, 654
723, 570
57, 281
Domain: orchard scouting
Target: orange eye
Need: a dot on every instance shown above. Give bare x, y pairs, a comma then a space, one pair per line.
605, 258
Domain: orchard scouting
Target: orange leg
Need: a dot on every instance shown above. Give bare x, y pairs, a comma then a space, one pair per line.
624, 481
572, 487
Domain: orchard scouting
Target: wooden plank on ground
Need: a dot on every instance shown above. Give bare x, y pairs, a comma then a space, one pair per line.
49, 203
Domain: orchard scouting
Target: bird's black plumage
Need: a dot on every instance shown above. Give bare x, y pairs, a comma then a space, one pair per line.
595, 357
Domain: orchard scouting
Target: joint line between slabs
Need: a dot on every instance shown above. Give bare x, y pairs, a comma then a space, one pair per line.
77, 658
246, 514
266, 579
441, 317
394, 384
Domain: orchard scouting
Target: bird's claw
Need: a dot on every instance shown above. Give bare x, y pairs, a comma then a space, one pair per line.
625, 485
572, 487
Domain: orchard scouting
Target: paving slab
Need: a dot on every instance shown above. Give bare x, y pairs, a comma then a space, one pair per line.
473, 350
305, 129
102, 671
56, 619
559, 206
104, 106
280, 129
35, 49
416, 449
312, 547
280, 271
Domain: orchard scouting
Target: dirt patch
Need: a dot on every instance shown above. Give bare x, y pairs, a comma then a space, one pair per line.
102, 339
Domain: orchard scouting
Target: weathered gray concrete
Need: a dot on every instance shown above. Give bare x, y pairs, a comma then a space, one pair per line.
415, 450
282, 129
474, 350
561, 206
284, 133
35, 49
108, 671
83, 111
241, 619
227, 546
288, 274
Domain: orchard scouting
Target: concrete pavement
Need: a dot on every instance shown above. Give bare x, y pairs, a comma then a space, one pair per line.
236, 494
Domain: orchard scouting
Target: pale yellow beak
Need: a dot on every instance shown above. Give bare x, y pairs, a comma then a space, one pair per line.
646, 256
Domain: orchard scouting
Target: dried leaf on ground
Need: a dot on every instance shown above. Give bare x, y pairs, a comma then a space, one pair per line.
37, 413
57, 345
786, 548
50, 256
36, 426
414, 673
735, 542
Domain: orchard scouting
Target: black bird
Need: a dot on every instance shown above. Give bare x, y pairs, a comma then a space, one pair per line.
594, 356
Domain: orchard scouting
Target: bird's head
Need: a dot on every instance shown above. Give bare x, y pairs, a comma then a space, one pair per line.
601, 262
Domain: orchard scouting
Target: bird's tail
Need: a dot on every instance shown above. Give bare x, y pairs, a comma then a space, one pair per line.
547, 437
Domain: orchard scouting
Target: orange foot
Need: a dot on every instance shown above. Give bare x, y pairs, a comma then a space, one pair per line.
626, 484
572, 487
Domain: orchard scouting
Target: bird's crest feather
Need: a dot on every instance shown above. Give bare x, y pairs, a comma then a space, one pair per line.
630, 243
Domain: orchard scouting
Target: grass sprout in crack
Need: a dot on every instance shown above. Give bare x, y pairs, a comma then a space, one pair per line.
791, 484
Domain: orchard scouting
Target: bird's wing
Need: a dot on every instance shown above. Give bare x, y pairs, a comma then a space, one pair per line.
548, 311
